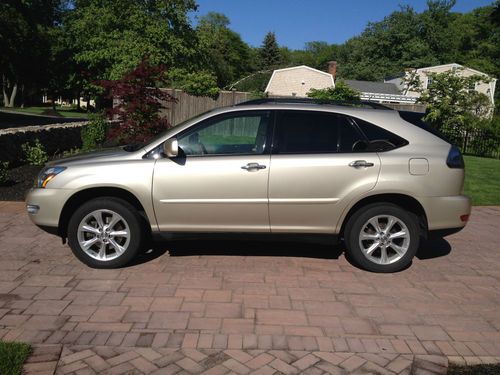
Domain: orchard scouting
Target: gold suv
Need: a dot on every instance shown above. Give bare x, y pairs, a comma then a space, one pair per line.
376, 178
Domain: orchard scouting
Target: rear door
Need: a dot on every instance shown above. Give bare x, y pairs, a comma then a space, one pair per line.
317, 166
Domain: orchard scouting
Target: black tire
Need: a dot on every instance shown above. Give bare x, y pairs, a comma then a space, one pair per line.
355, 226
128, 212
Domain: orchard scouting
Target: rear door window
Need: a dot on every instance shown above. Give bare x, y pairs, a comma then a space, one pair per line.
312, 132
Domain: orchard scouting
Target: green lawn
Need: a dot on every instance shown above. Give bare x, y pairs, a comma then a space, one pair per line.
47, 110
482, 180
12, 357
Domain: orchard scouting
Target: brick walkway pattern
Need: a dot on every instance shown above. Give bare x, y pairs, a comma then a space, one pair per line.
193, 311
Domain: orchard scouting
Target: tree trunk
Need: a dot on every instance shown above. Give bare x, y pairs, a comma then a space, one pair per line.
8, 100
13, 95
4, 91
78, 105
22, 96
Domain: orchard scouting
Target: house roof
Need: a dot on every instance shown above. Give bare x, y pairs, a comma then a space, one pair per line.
452, 65
373, 87
303, 67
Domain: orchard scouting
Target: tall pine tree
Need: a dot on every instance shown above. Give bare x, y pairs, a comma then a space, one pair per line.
269, 53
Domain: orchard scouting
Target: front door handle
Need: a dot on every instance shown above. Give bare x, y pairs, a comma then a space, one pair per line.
253, 166
360, 164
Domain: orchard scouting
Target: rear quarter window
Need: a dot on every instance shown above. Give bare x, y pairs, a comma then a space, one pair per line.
416, 119
379, 139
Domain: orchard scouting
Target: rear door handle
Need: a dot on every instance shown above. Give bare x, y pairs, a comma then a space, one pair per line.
360, 164
253, 166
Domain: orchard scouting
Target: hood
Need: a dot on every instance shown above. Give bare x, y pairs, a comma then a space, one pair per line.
106, 155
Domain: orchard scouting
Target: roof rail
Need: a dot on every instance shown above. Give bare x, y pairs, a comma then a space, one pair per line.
348, 103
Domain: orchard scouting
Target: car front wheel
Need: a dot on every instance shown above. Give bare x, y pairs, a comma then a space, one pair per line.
382, 237
105, 233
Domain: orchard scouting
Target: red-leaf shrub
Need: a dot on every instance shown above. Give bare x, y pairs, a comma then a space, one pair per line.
138, 101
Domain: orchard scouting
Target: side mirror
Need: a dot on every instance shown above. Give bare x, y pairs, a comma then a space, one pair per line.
171, 147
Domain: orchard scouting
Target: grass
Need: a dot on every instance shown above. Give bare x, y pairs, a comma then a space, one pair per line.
12, 357
482, 180
47, 110
474, 370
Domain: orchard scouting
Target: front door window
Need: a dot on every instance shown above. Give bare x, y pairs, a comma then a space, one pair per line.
234, 134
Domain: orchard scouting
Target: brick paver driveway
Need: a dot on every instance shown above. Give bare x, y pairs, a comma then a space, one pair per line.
239, 307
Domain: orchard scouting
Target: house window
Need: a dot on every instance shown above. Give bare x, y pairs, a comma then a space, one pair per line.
429, 82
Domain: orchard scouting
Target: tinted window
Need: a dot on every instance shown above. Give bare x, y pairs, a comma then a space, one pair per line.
242, 133
350, 139
314, 132
380, 139
416, 119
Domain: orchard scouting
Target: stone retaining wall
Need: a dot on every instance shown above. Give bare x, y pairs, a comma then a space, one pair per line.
55, 138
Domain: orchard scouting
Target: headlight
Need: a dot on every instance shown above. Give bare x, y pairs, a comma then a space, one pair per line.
46, 175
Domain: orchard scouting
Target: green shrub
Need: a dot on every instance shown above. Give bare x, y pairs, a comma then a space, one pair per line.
202, 83
94, 134
34, 153
341, 91
4, 172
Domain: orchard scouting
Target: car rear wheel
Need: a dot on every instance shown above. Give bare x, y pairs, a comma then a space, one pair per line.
105, 233
382, 237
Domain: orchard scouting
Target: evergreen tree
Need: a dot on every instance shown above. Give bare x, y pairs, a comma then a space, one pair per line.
269, 53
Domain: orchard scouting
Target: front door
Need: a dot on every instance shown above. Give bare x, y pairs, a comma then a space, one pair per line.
313, 174
219, 181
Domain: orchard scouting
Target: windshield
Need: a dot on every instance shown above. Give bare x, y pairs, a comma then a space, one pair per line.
136, 146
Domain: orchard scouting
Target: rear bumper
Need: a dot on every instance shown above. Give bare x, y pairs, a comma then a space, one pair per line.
48, 204
444, 232
446, 213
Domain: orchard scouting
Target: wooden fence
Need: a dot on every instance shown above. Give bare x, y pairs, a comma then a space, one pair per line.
188, 106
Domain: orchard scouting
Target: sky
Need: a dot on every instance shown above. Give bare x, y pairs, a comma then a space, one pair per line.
296, 22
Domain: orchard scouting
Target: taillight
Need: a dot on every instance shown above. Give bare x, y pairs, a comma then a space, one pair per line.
455, 159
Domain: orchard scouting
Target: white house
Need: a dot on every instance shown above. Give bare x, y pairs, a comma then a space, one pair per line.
299, 80
487, 88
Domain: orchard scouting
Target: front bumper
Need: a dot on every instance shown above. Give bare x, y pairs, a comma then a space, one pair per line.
446, 212
44, 207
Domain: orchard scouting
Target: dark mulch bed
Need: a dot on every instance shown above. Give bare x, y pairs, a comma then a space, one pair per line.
21, 179
493, 369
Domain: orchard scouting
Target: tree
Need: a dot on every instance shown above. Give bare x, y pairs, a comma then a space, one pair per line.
436, 31
25, 44
495, 14
221, 50
200, 83
340, 92
139, 102
452, 103
386, 48
315, 54
407, 39
111, 37
269, 52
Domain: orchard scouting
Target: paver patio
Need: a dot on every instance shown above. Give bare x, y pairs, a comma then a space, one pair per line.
240, 306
